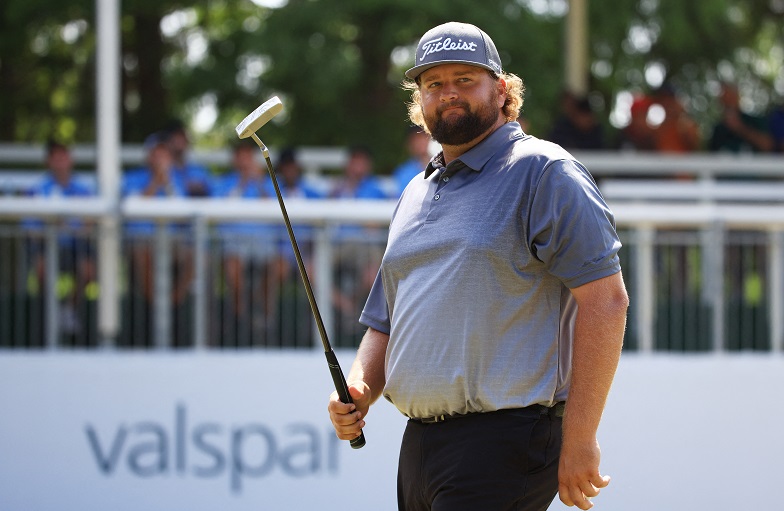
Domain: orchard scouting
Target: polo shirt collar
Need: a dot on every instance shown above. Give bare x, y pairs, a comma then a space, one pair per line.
476, 157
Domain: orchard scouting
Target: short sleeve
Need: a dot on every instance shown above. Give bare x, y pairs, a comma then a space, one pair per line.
571, 228
376, 312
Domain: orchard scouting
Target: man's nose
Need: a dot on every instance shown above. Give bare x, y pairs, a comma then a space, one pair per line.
448, 92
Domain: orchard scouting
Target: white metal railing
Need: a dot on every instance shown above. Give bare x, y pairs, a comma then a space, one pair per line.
642, 207
713, 220
314, 160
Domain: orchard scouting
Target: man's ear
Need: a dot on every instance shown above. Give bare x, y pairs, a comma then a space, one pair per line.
501, 92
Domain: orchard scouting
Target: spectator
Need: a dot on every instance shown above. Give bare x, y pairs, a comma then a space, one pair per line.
638, 135
677, 133
577, 126
249, 249
777, 128
289, 176
418, 146
355, 259
156, 179
291, 323
75, 251
247, 176
194, 177
358, 181
738, 131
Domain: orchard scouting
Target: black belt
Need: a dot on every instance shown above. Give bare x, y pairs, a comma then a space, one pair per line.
557, 410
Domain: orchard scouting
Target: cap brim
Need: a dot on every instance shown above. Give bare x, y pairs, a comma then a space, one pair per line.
418, 70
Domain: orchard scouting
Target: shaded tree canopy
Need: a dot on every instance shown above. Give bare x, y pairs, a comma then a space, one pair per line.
338, 65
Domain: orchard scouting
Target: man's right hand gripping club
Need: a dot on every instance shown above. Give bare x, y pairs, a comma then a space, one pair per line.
365, 378
348, 419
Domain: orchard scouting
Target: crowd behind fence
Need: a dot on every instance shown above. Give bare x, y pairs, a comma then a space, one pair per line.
704, 266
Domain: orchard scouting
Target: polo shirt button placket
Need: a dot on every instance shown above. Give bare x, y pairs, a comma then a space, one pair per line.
438, 196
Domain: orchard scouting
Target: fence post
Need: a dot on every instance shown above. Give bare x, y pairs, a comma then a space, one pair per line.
323, 269
713, 280
162, 286
776, 289
52, 305
200, 282
644, 293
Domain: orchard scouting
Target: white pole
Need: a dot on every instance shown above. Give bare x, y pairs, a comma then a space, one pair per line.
108, 163
776, 289
577, 47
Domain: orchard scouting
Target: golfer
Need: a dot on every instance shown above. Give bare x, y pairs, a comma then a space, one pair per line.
495, 323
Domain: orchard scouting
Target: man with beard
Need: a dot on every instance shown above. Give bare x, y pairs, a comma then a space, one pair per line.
496, 320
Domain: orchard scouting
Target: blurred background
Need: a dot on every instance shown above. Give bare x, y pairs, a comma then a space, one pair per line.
140, 241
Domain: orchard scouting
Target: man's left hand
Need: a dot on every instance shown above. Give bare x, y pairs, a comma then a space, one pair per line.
578, 474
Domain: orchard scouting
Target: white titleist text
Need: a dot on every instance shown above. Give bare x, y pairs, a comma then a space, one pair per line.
447, 44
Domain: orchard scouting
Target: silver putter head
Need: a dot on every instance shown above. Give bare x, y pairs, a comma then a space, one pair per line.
259, 117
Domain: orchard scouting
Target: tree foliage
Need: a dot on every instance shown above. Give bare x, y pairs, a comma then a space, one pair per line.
338, 65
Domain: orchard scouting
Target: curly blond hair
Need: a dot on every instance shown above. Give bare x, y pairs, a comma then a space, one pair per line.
515, 91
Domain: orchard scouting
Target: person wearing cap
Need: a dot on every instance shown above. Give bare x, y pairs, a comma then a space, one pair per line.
496, 320
418, 146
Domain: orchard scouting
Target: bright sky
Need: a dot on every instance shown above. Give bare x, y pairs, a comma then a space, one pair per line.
272, 4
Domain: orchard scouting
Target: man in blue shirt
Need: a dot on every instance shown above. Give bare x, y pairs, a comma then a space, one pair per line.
356, 261
291, 299
358, 181
496, 320
250, 249
157, 180
418, 146
76, 250
194, 177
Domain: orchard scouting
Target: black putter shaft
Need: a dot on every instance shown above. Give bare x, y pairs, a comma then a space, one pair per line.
334, 367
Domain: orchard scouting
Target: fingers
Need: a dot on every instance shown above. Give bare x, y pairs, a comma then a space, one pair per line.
600, 481
345, 417
574, 497
580, 494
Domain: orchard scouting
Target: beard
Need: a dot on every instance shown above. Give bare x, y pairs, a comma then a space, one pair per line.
464, 128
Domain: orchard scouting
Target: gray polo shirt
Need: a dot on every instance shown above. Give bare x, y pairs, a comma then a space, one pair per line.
473, 288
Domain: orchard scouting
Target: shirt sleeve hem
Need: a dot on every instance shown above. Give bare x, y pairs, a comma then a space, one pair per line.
595, 274
374, 323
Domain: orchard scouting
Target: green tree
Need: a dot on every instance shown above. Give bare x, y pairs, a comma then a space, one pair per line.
45, 57
338, 64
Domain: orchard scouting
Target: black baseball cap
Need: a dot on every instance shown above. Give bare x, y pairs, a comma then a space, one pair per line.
455, 43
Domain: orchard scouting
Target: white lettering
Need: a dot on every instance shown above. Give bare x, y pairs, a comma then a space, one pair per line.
447, 44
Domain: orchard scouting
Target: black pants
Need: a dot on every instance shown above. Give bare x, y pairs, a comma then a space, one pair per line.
504, 460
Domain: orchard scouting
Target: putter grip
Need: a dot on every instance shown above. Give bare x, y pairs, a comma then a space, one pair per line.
340, 385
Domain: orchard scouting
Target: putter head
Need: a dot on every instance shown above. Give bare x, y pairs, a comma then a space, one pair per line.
259, 117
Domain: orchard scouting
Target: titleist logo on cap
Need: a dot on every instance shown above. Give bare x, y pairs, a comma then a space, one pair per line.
456, 43
441, 44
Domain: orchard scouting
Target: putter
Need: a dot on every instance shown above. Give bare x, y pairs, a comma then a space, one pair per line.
247, 128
